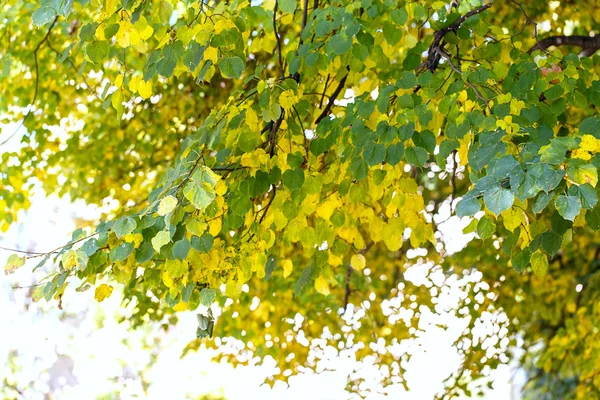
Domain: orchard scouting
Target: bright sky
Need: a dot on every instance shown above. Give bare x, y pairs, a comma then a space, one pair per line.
82, 352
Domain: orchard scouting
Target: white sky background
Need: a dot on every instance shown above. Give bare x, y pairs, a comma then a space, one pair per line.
105, 357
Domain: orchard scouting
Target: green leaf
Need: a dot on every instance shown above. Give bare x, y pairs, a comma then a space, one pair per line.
467, 207
339, 44
395, 153
417, 156
288, 6
568, 206
124, 226
270, 267
200, 190
498, 199
551, 242
97, 51
204, 243
293, 178
181, 249
144, 253
359, 168
207, 296
520, 260
43, 15
121, 252
592, 218
374, 153
539, 263
231, 67
486, 228
541, 202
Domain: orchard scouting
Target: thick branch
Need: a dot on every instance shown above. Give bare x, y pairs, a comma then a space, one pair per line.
332, 99
278, 38
436, 47
588, 44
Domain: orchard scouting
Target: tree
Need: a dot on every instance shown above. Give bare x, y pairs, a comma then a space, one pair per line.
282, 158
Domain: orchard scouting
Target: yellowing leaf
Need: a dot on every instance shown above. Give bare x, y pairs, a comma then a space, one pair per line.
410, 41
358, 262
322, 286
288, 266
167, 204
103, 292
161, 238
287, 99
145, 31
539, 263
14, 262
69, 260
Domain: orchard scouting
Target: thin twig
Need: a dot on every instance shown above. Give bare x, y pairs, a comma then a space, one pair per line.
20, 251
278, 39
56, 250
349, 271
458, 71
268, 205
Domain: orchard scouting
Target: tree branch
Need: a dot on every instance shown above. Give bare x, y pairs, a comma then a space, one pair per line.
278, 38
37, 81
588, 44
332, 99
349, 271
434, 54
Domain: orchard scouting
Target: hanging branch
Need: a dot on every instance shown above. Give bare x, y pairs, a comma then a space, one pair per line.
37, 81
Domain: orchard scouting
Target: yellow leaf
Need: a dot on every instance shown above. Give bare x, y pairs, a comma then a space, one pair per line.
410, 41
539, 263
589, 143
181, 306
287, 99
358, 262
145, 31
251, 119
322, 286
145, 89
288, 266
102, 292
119, 81
463, 150
135, 238
167, 204
212, 54
134, 83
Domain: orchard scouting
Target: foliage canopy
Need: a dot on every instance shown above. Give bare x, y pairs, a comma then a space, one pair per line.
289, 161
